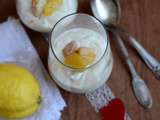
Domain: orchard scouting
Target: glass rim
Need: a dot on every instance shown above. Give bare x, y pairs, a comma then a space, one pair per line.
53, 50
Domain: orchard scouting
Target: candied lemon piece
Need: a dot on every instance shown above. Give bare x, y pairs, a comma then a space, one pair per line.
70, 48
37, 7
51, 6
87, 53
76, 60
45, 7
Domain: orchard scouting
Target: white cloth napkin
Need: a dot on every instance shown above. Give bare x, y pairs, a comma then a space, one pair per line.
15, 46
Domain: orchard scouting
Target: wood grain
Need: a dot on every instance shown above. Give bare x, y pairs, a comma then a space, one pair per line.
141, 18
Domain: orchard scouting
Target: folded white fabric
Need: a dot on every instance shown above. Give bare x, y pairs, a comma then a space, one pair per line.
15, 46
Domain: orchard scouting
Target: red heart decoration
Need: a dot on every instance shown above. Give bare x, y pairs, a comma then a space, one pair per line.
113, 111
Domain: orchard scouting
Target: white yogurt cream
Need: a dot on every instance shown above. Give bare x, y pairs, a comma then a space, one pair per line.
44, 24
84, 80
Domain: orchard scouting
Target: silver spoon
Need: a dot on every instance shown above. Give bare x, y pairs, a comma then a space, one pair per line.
106, 11
140, 88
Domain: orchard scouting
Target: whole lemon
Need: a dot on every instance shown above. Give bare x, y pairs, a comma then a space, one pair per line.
19, 92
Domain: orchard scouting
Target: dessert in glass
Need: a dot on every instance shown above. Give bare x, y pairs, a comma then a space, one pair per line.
42, 15
80, 58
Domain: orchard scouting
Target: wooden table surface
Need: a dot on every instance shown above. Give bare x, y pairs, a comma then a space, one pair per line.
142, 19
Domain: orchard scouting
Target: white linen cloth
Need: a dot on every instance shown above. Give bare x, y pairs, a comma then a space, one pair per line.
15, 46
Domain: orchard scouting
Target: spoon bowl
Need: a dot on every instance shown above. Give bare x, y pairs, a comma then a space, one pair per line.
106, 11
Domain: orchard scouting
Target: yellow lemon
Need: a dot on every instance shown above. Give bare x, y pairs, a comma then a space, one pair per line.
19, 92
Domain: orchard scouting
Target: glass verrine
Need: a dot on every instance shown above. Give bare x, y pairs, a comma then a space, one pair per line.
87, 32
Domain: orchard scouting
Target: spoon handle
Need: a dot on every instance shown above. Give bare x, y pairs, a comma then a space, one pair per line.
125, 54
150, 61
